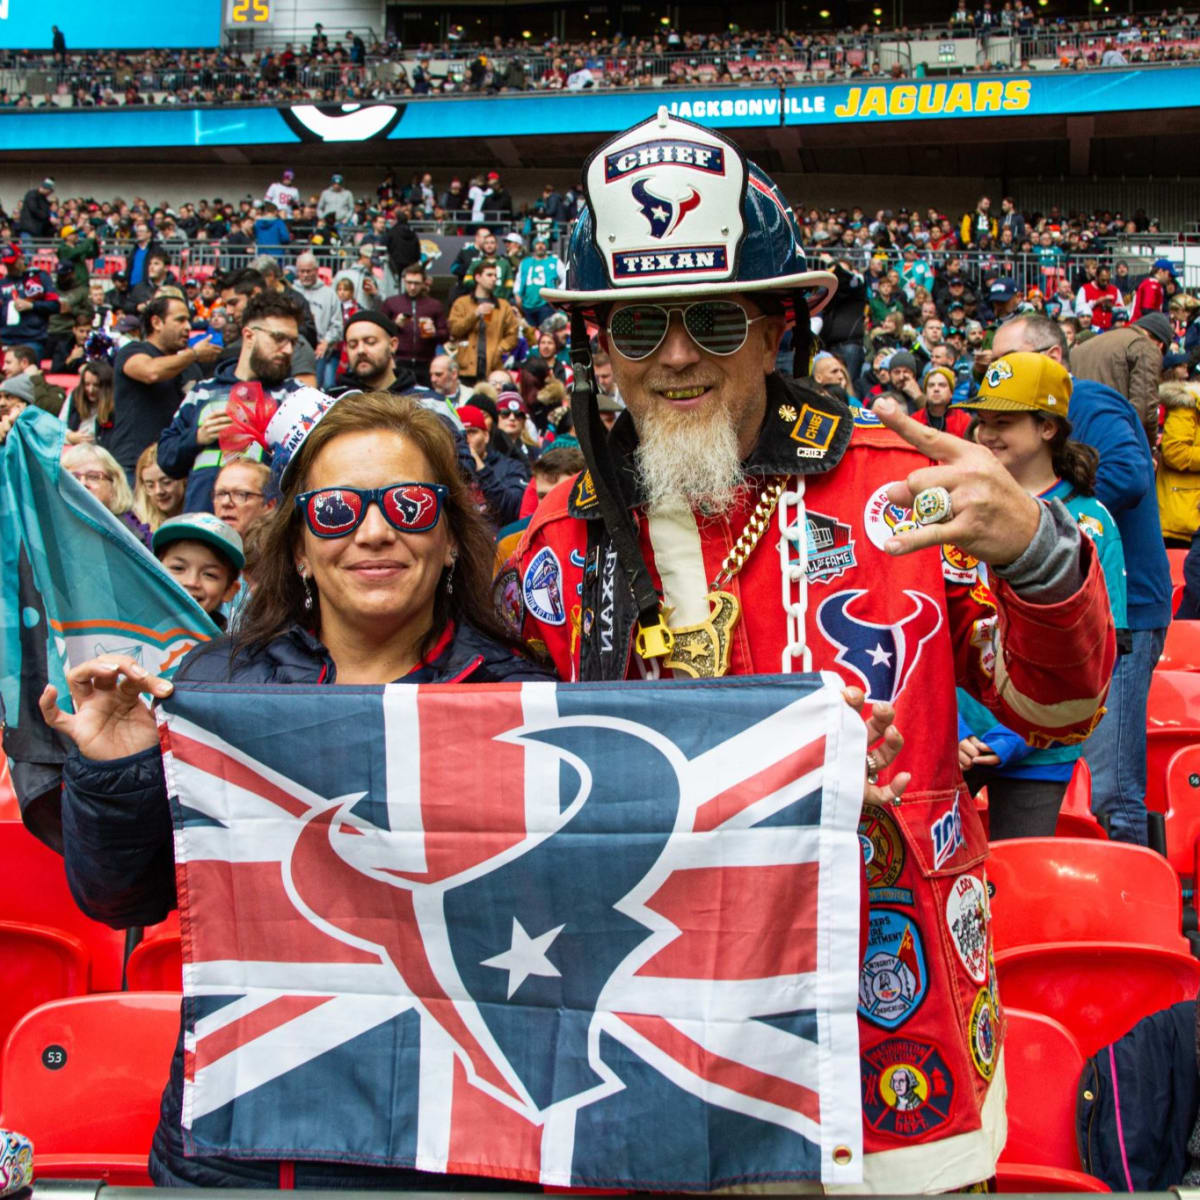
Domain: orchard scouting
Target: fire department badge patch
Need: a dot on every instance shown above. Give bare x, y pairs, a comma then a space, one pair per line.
983, 1030
907, 1088
893, 981
883, 849
506, 595
542, 588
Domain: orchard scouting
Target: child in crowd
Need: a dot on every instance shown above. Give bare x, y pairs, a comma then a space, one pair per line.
1021, 417
344, 289
204, 555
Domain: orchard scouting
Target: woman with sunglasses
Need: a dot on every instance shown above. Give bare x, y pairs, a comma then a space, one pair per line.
375, 568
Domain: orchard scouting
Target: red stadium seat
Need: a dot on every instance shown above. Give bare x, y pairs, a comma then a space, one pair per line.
66, 382
156, 964
83, 1080
33, 890
1080, 890
1098, 990
1027, 1179
39, 964
1172, 722
1175, 558
1183, 811
1075, 816
1181, 650
1042, 1063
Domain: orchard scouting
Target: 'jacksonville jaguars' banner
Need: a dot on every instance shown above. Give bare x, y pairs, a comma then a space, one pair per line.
76, 583
586, 935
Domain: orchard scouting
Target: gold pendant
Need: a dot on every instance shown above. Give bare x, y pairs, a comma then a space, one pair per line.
702, 651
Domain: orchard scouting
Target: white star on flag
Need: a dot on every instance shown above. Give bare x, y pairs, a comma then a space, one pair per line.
880, 655
526, 956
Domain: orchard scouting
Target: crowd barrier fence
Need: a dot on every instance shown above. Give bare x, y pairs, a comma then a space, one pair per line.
441, 243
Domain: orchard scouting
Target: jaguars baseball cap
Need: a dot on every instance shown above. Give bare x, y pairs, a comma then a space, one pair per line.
1023, 382
201, 527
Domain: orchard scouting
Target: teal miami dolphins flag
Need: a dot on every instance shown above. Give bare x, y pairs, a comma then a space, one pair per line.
76, 584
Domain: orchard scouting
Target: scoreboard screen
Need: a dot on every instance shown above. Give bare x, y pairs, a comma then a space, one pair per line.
127, 25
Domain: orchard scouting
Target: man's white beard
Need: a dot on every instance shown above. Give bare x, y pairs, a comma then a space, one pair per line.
683, 454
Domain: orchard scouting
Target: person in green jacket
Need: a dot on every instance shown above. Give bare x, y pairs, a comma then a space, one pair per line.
77, 246
1021, 417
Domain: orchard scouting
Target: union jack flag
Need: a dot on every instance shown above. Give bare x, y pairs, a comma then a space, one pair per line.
571, 934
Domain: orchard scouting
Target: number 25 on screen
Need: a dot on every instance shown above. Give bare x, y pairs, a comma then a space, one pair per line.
241, 11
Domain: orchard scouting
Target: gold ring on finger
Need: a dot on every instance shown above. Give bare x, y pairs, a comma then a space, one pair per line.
932, 506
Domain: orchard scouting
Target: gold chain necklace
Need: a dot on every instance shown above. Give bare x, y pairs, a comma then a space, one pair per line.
702, 650
756, 525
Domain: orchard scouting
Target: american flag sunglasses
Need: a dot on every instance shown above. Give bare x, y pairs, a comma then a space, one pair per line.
716, 326
334, 512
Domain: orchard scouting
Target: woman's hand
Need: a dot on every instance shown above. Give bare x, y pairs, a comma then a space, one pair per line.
884, 743
110, 719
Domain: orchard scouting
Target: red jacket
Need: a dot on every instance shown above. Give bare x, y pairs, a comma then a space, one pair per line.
958, 420
1148, 298
907, 628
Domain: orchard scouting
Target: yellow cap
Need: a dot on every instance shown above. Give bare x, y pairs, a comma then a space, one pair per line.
1023, 382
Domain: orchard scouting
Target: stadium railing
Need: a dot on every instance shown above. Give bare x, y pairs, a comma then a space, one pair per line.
1028, 270
946, 49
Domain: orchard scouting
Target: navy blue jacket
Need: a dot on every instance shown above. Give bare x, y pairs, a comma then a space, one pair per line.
37, 287
1143, 1147
503, 481
120, 865
1103, 419
181, 456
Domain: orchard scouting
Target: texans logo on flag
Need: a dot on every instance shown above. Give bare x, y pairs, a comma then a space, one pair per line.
663, 214
881, 655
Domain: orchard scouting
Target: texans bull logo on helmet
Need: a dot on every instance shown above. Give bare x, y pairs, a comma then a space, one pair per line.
663, 213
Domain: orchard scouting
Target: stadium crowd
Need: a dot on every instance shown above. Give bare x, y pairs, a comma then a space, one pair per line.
968, 334
348, 70
150, 353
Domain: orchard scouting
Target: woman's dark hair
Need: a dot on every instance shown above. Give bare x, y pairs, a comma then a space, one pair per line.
279, 593
1073, 461
104, 403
